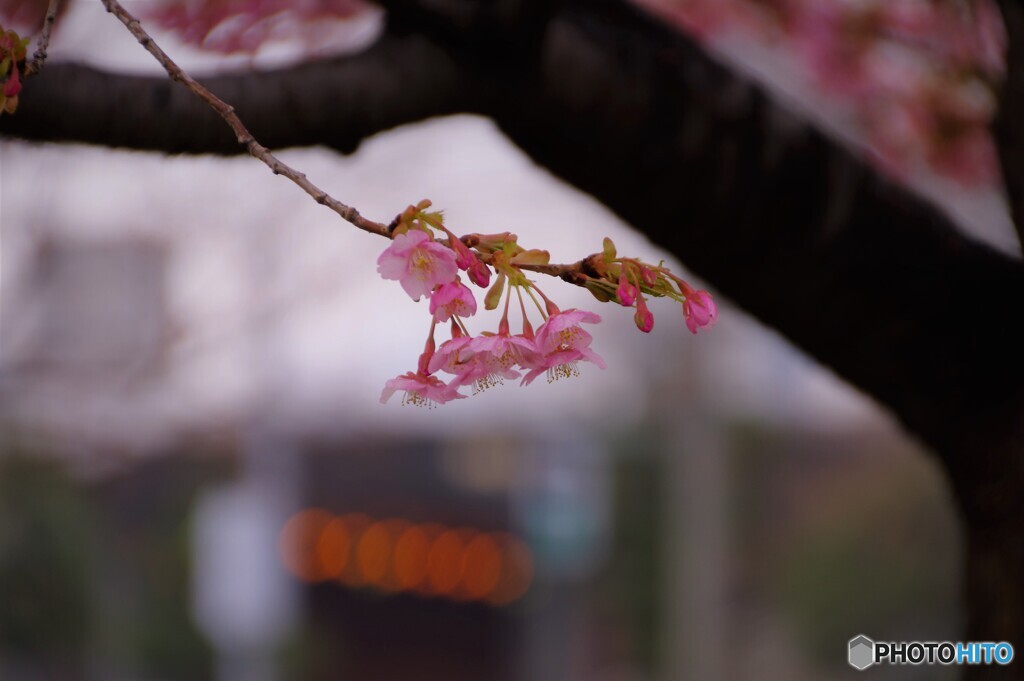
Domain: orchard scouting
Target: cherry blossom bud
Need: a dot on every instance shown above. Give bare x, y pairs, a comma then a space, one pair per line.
626, 291
479, 274
643, 318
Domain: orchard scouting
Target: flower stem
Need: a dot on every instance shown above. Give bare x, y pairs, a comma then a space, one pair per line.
543, 314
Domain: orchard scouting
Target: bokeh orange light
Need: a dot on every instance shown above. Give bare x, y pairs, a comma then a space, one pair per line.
396, 555
481, 567
373, 554
298, 543
517, 571
444, 563
410, 558
356, 524
332, 549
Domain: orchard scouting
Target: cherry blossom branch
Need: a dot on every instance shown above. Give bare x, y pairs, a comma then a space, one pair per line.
426, 258
578, 273
242, 134
581, 273
39, 57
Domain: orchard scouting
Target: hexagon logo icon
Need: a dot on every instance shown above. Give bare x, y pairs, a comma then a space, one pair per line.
861, 652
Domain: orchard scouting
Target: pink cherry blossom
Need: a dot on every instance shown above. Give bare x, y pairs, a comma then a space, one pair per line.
479, 369
452, 298
700, 311
452, 357
507, 351
417, 262
421, 390
561, 343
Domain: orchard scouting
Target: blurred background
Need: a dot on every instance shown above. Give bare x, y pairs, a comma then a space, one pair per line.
198, 482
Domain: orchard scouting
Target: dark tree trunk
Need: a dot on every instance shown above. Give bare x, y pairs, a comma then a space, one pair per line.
987, 480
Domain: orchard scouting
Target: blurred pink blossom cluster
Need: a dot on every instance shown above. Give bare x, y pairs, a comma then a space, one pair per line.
244, 25
918, 76
12, 51
225, 26
24, 15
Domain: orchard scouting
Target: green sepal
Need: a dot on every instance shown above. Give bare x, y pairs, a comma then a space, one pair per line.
434, 218
609, 250
599, 291
493, 296
534, 256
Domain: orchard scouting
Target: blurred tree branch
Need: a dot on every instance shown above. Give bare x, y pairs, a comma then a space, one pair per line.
335, 102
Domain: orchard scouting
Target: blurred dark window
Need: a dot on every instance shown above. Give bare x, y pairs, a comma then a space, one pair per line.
101, 305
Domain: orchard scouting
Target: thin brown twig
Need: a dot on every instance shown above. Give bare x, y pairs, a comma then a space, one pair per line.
33, 67
578, 273
245, 138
